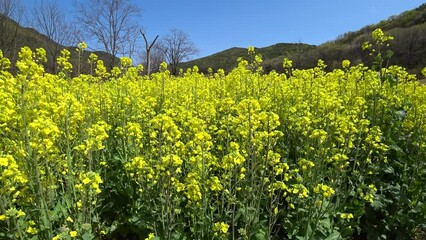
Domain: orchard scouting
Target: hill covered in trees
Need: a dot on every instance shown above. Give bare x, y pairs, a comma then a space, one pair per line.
408, 46
227, 59
13, 36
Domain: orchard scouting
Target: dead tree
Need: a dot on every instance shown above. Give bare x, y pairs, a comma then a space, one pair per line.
148, 52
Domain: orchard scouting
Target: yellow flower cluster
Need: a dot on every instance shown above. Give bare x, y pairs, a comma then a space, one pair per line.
324, 190
305, 164
369, 194
27, 62
151, 236
380, 36
193, 190
4, 62
220, 228
81, 47
89, 181
347, 216
299, 190
207, 153
97, 133
63, 61
12, 179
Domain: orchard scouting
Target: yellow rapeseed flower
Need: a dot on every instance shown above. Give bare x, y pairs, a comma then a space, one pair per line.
73, 234
3, 162
220, 227
86, 181
324, 190
151, 236
31, 230
346, 216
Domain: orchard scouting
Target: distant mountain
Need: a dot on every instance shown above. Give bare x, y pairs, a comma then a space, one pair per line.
13, 36
227, 59
409, 47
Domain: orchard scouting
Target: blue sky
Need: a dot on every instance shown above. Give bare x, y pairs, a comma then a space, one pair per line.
216, 25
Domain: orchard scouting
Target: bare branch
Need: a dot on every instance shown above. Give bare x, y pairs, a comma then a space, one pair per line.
10, 11
148, 52
50, 20
177, 47
111, 24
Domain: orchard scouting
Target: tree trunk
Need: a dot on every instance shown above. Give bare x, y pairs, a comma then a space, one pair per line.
148, 52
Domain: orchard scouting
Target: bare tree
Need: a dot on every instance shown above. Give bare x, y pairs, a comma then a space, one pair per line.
133, 45
156, 57
408, 45
109, 22
148, 48
50, 20
11, 13
177, 47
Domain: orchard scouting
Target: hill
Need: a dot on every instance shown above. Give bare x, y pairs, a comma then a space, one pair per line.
227, 59
409, 47
13, 36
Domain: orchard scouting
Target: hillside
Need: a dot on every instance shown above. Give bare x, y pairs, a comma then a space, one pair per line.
13, 36
227, 59
409, 44
409, 47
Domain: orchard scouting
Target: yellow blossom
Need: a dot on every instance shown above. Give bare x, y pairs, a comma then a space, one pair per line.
151, 236
324, 190
346, 216
221, 227
31, 230
69, 219
73, 234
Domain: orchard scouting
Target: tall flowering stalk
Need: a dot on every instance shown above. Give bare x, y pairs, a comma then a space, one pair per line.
306, 154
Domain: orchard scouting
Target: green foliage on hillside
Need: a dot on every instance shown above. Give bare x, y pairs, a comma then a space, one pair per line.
409, 48
406, 19
13, 37
227, 59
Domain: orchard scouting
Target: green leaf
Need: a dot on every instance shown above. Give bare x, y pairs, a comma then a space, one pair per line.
378, 202
261, 235
68, 203
114, 226
86, 226
87, 236
240, 212
389, 169
134, 219
57, 212
335, 235
309, 230
325, 226
176, 236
